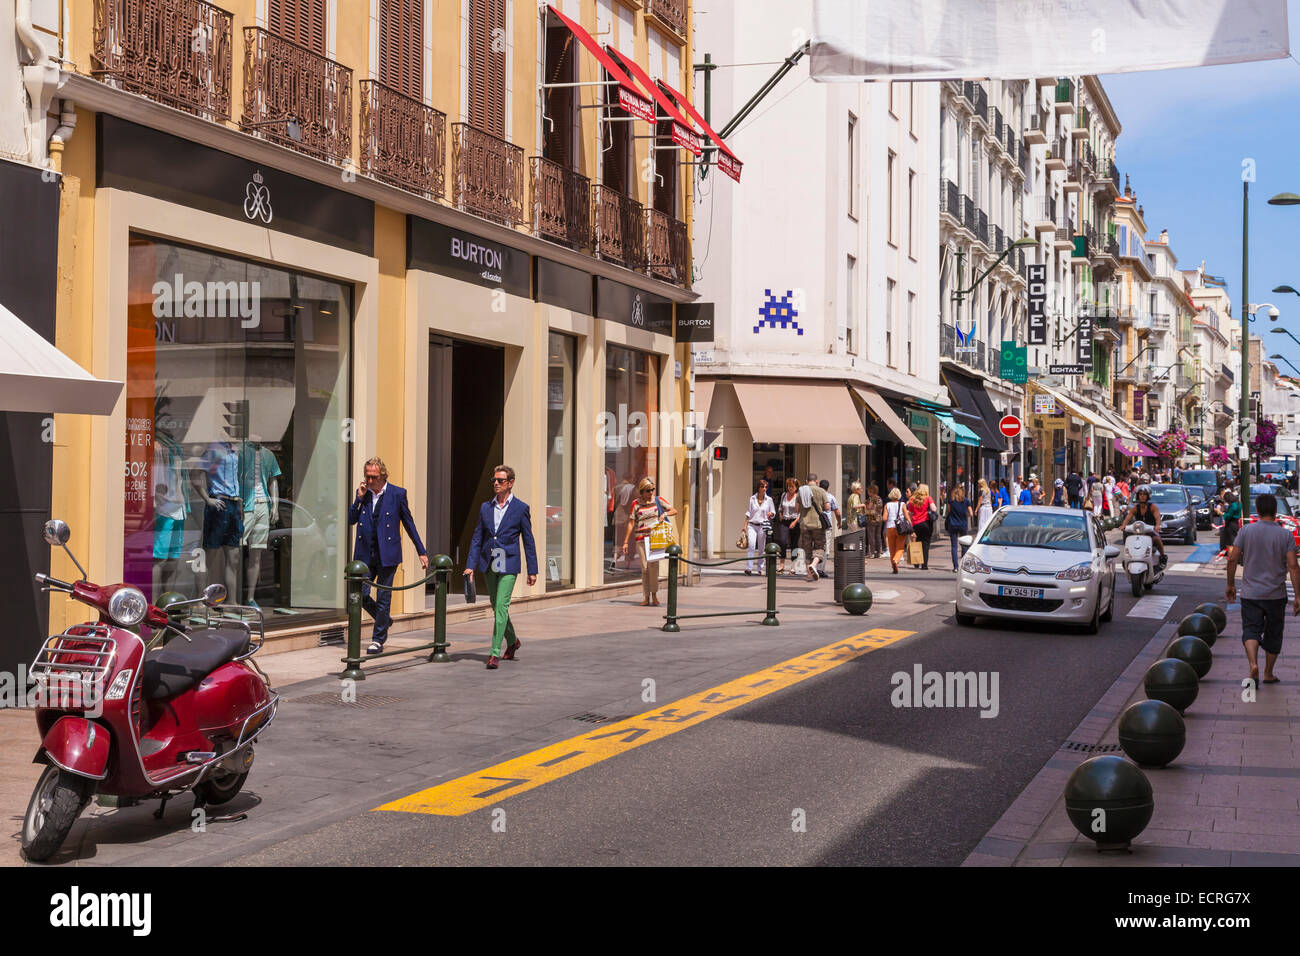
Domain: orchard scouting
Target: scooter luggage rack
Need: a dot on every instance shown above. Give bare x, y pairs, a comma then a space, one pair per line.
51, 660
246, 616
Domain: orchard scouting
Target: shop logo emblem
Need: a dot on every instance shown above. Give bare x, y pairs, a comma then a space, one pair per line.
638, 311
257, 200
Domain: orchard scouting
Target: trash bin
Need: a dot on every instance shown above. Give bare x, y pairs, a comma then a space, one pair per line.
850, 560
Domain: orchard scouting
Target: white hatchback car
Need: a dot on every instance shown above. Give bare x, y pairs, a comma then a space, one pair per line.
1033, 563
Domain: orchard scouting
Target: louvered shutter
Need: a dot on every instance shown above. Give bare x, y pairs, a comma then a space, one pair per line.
487, 67
302, 21
401, 46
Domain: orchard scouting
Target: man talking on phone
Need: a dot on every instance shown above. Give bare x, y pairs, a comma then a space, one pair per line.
377, 510
1266, 552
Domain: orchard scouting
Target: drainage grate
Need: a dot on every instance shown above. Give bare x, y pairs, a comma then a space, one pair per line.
364, 701
1075, 747
590, 718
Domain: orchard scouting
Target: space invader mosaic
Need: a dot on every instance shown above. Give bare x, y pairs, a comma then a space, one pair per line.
778, 313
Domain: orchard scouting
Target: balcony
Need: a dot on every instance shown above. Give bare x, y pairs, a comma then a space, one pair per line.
667, 251
1079, 249
995, 124
1046, 221
1056, 156
671, 13
950, 201
999, 241
1226, 372
618, 227
947, 341
959, 89
982, 226
1063, 239
488, 175
1009, 141
1126, 374
151, 48
1064, 99
1080, 128
1160, 322
404, 142
1037, 133
995, 362
284, 80
1073, 177
979, 101
561, 203
969, 215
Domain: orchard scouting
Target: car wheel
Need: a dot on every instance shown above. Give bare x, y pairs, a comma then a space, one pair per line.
1092, 626
965, 620
1109, 614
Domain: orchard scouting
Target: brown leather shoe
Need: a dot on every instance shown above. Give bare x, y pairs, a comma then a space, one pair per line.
509, 655
492, 663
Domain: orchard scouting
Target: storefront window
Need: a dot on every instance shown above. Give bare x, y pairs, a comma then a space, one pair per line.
630, 431
915, 460
559, 463
850, 471
237, 454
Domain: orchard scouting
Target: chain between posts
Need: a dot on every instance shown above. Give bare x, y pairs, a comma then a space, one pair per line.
355, 575
675, 558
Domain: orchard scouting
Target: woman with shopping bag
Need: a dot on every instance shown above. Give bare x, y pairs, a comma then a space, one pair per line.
922, 511
897, 527
647, 519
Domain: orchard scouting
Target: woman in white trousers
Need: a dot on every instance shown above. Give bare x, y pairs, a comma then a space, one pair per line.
758, 518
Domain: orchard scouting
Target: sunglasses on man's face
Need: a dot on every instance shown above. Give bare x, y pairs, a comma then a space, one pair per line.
501, 481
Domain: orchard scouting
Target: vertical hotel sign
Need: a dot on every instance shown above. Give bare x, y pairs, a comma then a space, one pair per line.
1037, 275
1084, 334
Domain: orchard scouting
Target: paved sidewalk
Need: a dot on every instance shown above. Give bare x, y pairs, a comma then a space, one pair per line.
1231, 798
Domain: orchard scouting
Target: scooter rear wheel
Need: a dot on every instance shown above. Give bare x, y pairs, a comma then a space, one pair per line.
224, 787
53, 809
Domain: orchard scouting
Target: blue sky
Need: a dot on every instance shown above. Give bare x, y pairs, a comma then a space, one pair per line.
1184, 136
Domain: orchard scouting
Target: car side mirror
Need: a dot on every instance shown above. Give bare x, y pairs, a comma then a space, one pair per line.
965, 541
1111, 552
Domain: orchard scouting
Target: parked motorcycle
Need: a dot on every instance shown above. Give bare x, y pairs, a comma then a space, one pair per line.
129, 717
1144, 572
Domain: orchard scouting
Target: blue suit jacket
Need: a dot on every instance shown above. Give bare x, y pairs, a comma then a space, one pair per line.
487, 545
393, 510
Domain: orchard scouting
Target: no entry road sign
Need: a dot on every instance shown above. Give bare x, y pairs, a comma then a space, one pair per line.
1010, 426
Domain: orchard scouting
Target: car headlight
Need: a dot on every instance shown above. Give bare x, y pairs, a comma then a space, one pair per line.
1175, 515
127, 607
974, 565
1080, 572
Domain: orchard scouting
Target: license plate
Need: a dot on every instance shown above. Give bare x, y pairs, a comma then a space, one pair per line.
1006, 591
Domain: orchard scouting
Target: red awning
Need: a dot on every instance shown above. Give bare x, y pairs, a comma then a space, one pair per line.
727, 160
684, 133
630, 99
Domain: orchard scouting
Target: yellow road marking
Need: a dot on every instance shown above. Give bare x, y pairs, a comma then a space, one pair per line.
484, 788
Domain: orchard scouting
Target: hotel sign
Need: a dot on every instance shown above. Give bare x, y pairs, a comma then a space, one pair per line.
1037, 275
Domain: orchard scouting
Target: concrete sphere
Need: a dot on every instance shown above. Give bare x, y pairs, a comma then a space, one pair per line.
1152, 733
1194, 651
1109, 800
856, 598
1215, 613
1172, 681
1199, 625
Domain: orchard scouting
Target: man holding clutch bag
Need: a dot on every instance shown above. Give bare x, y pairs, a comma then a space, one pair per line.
494, 553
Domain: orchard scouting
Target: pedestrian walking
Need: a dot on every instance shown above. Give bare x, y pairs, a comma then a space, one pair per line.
787, 521
832, 508
503, 520
1266, 552
873, 514
647, 511
758, 523
814, 521
1074, 490
1098, 491
1229, 508
380, 512
958, 521
854, 507
922, 511
983, 506
894, 539
1026, 496
1058, 493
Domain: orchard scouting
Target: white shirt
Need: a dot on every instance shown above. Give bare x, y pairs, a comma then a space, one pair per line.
891, 512
374, 498
760, 514
499, 511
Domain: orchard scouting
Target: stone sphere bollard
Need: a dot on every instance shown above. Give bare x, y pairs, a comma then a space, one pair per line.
1173, 681
1109, 800
1194, 651
856, 598
1152, 733
1215, 613
1199, 625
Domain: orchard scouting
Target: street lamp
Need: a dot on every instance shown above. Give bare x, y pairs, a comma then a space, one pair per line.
1277, 356
1281, 199
1284, 331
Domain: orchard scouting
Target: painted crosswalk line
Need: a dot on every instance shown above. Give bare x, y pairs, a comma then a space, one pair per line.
1153, 606
487, 787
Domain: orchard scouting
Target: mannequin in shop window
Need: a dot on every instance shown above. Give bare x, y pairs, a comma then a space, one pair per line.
217, 483
259, 475
170, 507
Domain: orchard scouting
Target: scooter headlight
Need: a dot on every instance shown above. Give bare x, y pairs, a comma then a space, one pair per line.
1080, 572
127, 607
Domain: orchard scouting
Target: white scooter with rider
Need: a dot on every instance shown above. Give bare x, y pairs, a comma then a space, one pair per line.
1141, 530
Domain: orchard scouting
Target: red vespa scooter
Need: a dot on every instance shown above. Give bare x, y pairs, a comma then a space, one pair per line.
132, 720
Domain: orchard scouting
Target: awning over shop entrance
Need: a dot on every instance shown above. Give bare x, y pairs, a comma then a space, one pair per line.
887, 416
801, 413
956, 431
971, 398
1134, 449
1101, 427
37, 377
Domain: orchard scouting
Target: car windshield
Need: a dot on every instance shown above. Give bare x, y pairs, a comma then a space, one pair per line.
1198, 494
1169, 497
1200, 478
1034, 528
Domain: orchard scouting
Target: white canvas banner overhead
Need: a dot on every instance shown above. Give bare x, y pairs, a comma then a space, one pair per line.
1020, 39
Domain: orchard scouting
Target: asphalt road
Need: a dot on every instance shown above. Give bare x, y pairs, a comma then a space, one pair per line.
827, 770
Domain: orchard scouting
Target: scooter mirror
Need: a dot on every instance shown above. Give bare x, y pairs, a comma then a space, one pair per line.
214, 594
57, 532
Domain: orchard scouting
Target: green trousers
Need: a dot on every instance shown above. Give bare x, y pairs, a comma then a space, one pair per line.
499, 589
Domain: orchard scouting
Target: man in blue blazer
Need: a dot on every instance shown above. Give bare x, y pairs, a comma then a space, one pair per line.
377, 511
494, 553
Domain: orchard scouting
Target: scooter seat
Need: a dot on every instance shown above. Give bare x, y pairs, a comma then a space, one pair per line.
179, 665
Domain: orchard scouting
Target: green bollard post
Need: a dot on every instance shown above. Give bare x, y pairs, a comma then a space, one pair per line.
670, 619
770, 553
355, 576
442, 566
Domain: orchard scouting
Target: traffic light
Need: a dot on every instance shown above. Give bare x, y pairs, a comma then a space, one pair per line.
720, 453
236, 415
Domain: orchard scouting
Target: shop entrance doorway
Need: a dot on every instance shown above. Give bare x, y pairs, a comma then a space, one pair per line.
466, 417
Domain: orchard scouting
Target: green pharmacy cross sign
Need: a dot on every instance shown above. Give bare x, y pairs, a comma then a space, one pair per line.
1015, 363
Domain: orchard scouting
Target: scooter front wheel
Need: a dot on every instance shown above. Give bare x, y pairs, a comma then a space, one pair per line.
1135, 582
53, 809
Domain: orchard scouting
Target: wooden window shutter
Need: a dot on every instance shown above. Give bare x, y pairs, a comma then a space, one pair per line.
487, 67
401, 46
302, 21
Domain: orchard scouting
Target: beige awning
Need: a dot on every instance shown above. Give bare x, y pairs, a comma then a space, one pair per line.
887, 416
1102, 428
800, 413
36, 377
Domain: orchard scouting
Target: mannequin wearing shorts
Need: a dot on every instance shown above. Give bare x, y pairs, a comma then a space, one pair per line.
259, 474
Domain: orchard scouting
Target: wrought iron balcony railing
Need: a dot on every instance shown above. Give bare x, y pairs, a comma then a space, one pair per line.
488, 175
618, 227
667, 251
995, 123
949, 199
969, 215
561, 203
982, 226
671, 13
286, 81
947, 341
404, 141
177, 52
